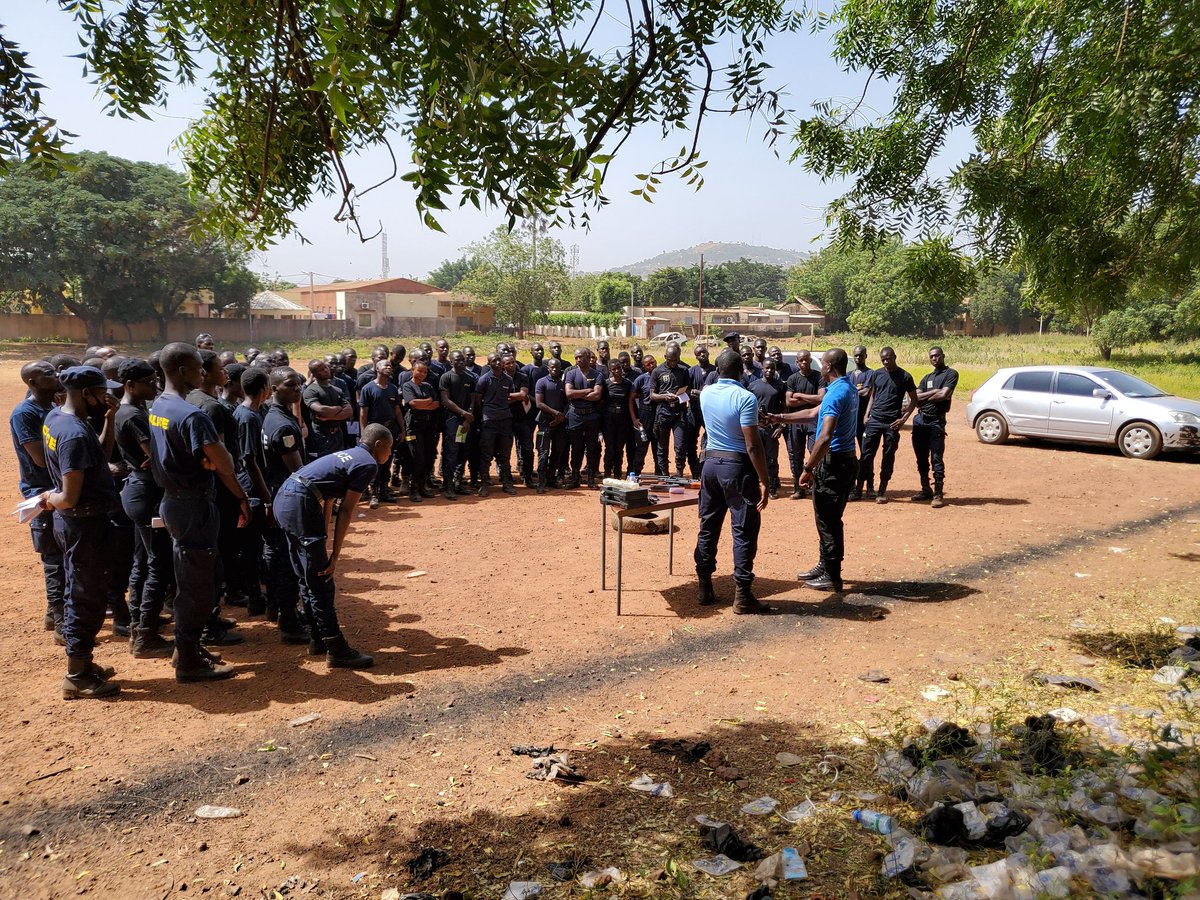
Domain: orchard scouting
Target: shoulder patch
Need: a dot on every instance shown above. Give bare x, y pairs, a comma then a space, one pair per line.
289, 441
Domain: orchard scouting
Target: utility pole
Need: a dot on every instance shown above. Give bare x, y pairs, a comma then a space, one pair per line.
700, 308
386, 265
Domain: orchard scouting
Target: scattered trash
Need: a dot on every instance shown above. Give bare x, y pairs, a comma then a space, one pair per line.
1167, 620
428, 861
359, 877
217, 812
878, 822
949, 739
788, 759
562, 871
1187, 699
723, 840
1065, 714
416, 573
762, 892
1118, 549
603, 878
529, 750
933, 692
786, 865
522, 890
648, 785
718, 867
801, 812
1088, 661
556, 767
305, 719
1188, 629
689, 750
1169, 675
941, 825
1075, 682
763, 806
874, 676
1041, 746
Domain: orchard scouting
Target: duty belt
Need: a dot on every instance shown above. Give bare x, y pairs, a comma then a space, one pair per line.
725, 454
86, 510
308, 486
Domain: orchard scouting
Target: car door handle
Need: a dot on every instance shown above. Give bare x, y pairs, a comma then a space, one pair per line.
1058, 401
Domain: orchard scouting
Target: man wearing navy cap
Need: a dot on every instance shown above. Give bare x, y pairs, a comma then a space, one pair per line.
303, 508
25, 423
84, 495
185, 451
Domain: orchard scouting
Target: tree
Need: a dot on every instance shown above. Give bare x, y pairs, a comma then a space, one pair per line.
996, 302
519, 277
518, 104
451, 272
669, 286
748, 278
1082, 134
611, 293
104, 239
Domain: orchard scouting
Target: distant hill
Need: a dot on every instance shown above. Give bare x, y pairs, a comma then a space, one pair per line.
715, 252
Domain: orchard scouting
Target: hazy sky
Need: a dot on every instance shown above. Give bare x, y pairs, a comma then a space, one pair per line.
750, 195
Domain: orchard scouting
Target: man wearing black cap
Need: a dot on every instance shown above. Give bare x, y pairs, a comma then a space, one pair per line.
84, 495
185, 451
25, 423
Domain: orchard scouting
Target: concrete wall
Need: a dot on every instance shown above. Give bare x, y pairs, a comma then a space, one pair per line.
232, 332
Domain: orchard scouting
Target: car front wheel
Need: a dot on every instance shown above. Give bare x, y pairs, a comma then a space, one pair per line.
1139, 440
991, 428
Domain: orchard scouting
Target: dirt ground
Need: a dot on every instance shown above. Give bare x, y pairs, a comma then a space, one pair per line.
507, 639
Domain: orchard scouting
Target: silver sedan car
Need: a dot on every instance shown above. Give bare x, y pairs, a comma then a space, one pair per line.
1084, 403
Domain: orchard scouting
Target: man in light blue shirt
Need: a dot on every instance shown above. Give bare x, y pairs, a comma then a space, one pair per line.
831, 467
733, 480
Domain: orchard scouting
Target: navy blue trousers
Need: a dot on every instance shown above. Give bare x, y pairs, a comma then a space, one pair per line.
41, 529
874, 434
302, 523
929, 445
153, 564
583, 432
193, 524
84, 543
728, 486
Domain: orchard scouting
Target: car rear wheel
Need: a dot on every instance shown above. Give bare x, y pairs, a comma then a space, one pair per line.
1139, 440
991, 428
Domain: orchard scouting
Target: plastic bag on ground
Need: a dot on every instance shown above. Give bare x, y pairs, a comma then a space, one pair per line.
973, 821
800, 812
648, 785
718, 866
943, 780
761, 807
611, 875
907, 852
894, 768
1160, 863
522, 890
946, 864
786, 865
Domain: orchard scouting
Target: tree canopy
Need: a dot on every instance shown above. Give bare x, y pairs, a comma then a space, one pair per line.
518, 104
521, 273
110, 239
1084, 140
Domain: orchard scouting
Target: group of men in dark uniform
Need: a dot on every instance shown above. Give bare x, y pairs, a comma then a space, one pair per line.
191, 479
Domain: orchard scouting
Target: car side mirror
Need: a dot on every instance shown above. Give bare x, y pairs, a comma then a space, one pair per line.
1101, 394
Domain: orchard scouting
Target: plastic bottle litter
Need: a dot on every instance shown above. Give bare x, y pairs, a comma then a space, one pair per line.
648, 785
786, 865
801, 812
763, 806
217, 812
880, 823
718, 866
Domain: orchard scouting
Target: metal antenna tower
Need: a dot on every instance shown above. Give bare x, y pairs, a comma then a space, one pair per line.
383, 248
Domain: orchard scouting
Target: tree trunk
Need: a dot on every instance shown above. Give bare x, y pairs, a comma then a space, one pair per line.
95, 329
162, 328
1105, 353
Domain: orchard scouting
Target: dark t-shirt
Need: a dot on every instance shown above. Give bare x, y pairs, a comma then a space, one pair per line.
249, 445
132, 427
459, 388
323, 437
535, 373
935, 413
770, 394
345, 470
179, 432
494, 391
616, 397
281, 434
26, 426
858, 379
890, 389
642, 386
221, 415
553, 394
520, 380
419, 418
72, 446
666, 380
584, 380
380, 402
799, 383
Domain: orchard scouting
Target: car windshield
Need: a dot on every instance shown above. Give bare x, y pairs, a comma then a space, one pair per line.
1128, 385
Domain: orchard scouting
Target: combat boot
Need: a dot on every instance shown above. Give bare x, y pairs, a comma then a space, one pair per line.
84, 681
449, 492
881, 495
340, 655
192, 664
828, 580
706, 595
541, 483
745, 603
938, 500
924, 493
316, 646
815, 572
147, 643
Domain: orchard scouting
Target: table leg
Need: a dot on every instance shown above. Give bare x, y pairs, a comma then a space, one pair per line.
603, 542
620, 536
671, 541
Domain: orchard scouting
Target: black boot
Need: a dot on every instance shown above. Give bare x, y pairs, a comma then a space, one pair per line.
541, 483
414, 495
591, 480
192, 664
745, 603
316, 646
829, 580
924, 493
449, 493
340, 655
815, 572
147, 643
85, 681
291, 629
938, 501
881, 494
706, 595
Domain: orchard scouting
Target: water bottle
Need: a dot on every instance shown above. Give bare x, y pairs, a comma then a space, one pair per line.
632, 478
880, 823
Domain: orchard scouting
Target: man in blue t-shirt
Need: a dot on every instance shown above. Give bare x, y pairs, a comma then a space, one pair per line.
734, 480
584, 384
550, 399
25, 423
303, 508
185, 451
831, 467
493, 393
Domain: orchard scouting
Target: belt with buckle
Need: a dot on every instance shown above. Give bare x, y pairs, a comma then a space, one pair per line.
308, 486
725, 454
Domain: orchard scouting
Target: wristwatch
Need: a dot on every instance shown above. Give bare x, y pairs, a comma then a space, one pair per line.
808, 468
